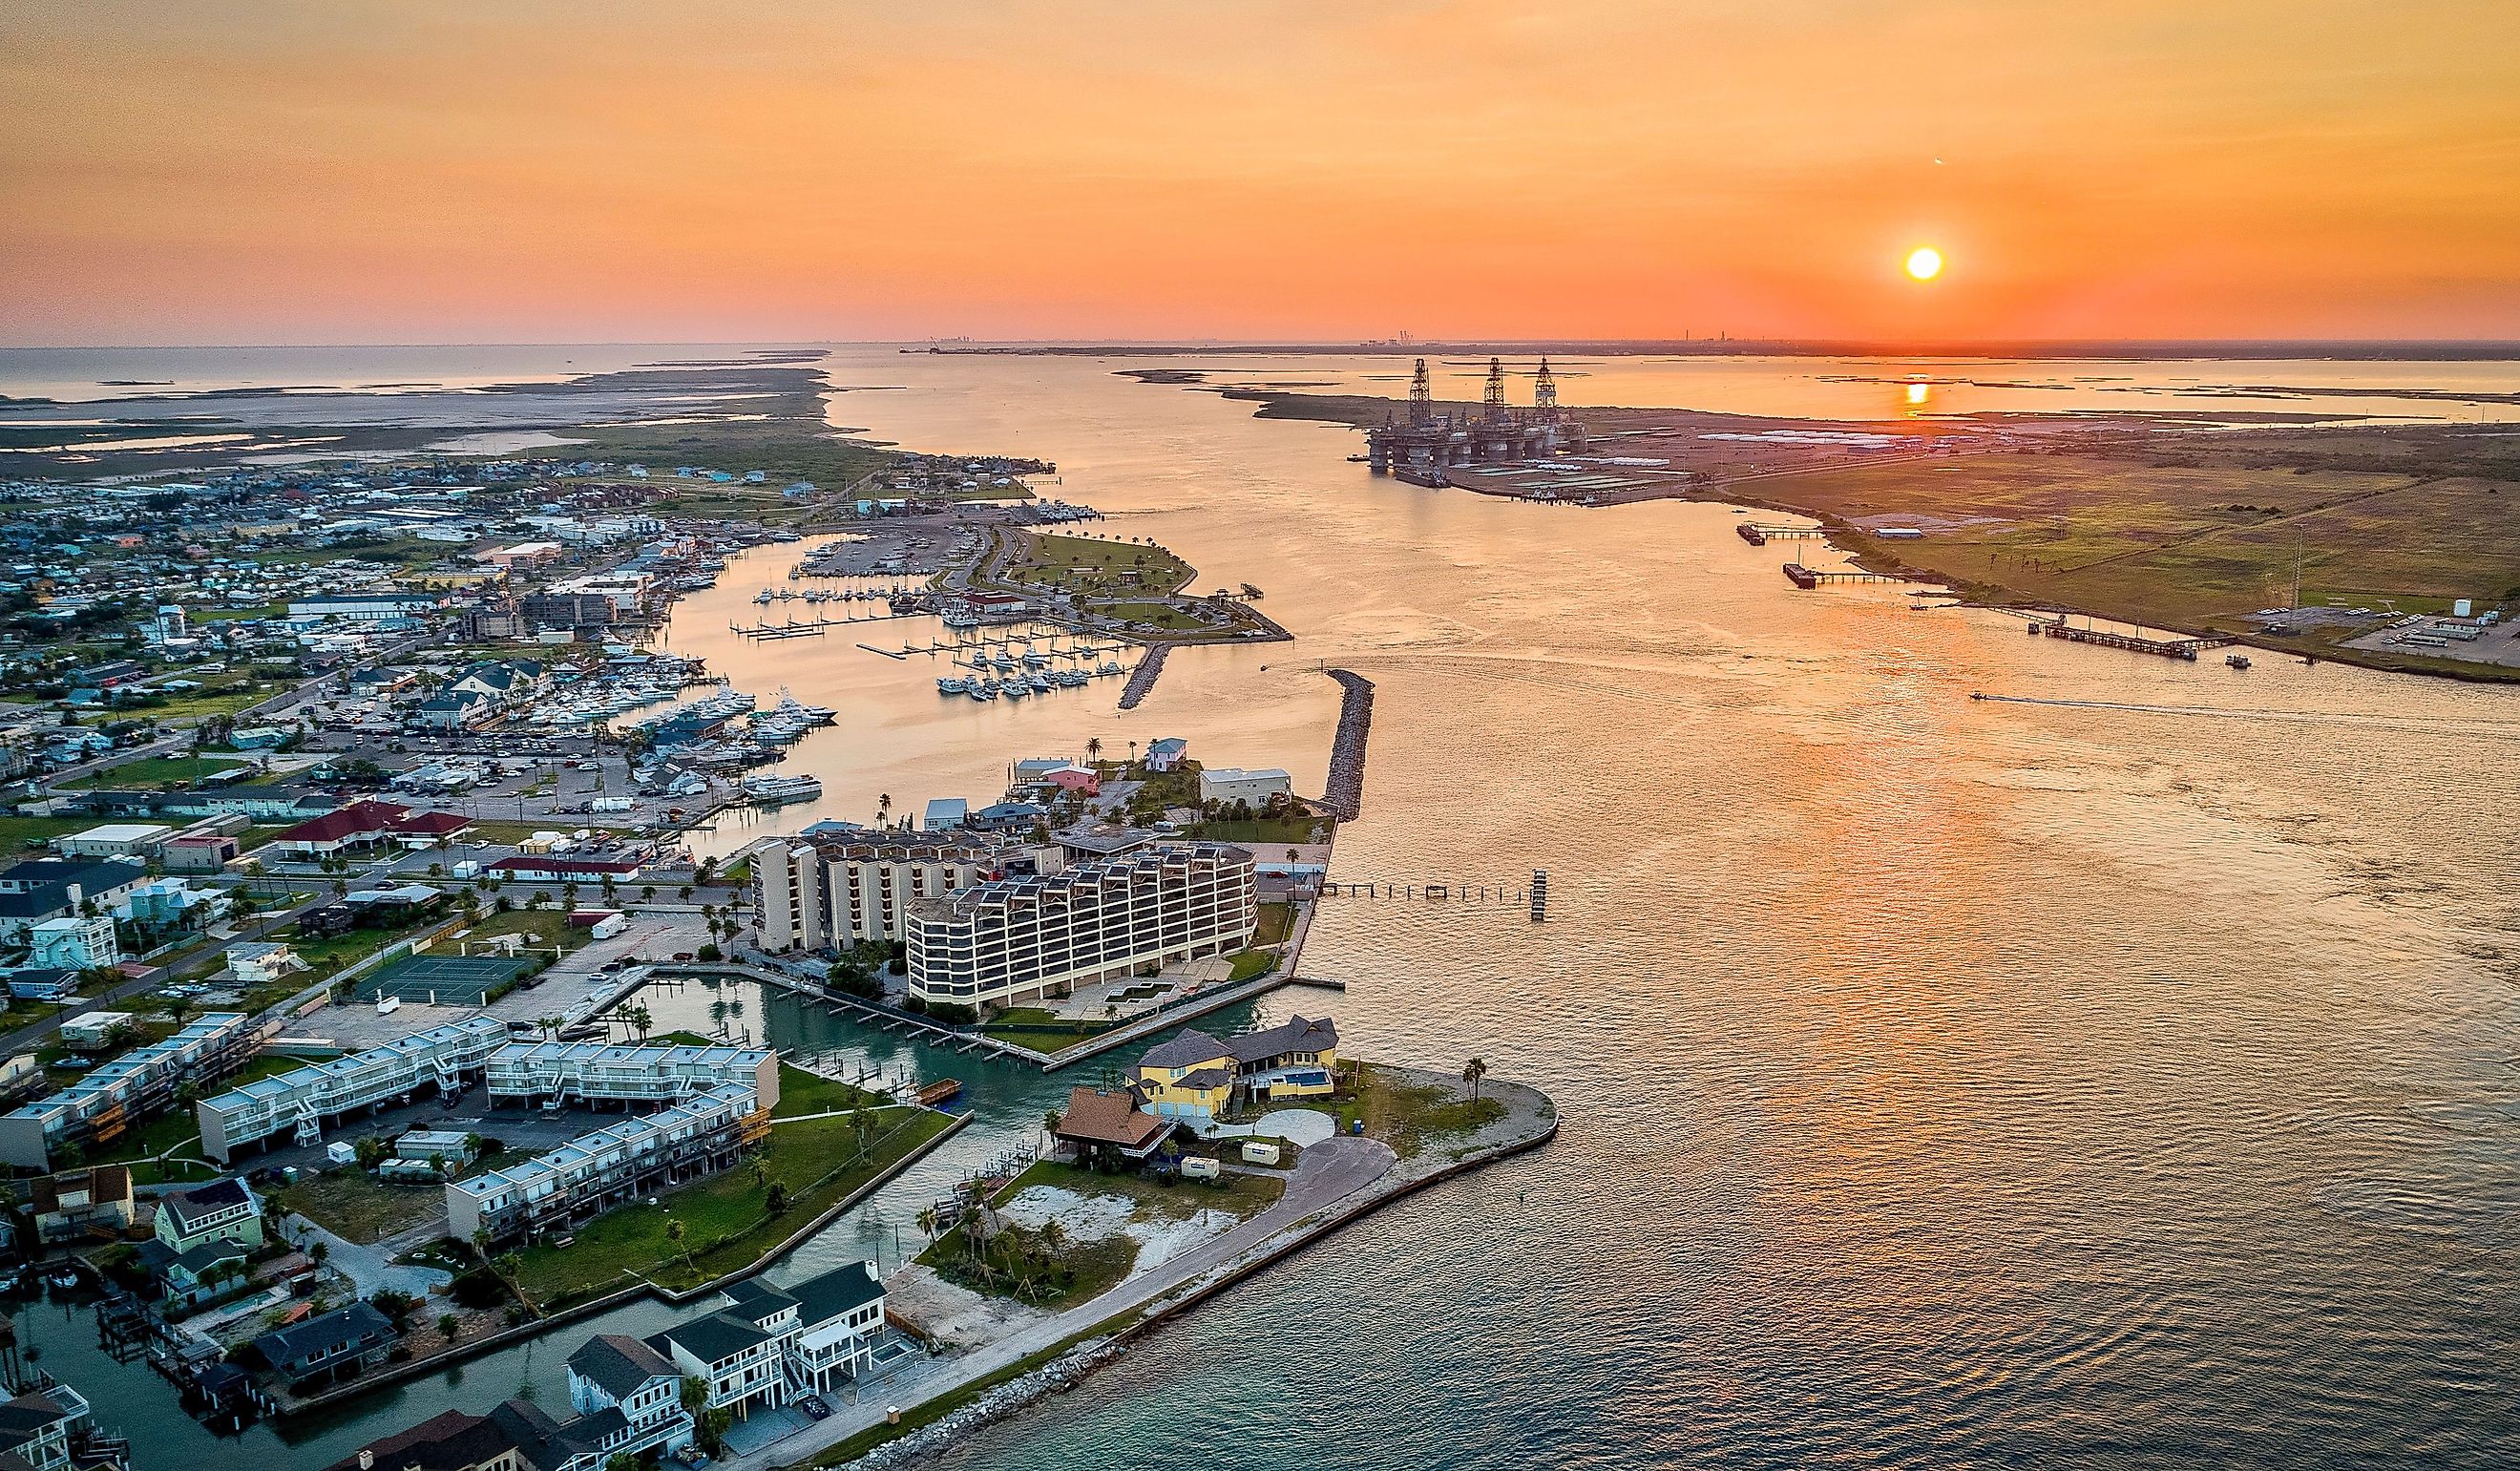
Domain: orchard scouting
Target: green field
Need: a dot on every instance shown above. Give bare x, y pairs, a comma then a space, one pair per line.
18, 835
1096, 570
725, 1219
355, 1206
1265, 833
157, 771
2191, 543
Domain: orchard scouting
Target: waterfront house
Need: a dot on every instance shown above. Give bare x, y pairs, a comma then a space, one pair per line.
1230, 785
825, 1326
36, 1428
78, 1204
224, 1209
1195, 1076
1167, 754
322, 1351
1109, 1121
206, 1272
613, 1371
514, 1436
736, 1357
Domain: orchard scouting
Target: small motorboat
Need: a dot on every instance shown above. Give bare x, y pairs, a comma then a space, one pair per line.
2237, 660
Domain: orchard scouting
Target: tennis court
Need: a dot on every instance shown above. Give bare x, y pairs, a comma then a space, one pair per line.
442, 980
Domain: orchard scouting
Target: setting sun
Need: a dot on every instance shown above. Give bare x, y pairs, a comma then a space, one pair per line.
1925, 264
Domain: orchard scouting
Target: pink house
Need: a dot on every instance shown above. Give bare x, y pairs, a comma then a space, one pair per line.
1078, 779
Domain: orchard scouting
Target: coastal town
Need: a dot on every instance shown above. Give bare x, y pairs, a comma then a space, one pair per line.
348, 866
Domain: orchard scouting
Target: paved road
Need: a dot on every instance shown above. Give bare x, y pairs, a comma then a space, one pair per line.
1327, 1172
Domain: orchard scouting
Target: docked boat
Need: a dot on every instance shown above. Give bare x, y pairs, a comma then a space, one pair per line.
983, 690
942, 1090
1014, 689
953, 685
772, 792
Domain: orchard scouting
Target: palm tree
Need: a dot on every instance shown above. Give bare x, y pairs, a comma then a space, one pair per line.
1093, 749
883, 808
1471, 1073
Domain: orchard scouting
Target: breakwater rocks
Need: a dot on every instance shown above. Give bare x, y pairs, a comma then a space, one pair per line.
1345, 794
1141, 679
932, 1441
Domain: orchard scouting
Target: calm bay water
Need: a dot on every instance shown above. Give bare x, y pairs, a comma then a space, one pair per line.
1943, 1080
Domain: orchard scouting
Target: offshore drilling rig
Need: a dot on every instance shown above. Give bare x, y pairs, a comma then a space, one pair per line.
1420, 447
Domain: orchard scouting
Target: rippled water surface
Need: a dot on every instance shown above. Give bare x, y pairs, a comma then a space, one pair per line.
1944, 1082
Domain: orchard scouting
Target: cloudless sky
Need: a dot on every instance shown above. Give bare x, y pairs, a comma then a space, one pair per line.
508, 170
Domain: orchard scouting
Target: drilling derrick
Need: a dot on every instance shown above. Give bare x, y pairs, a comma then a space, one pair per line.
1422, 398
1496, 411
1544, 393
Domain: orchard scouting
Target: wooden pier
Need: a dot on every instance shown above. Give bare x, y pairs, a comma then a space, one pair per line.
1760, 536
2168, 648
1807, 578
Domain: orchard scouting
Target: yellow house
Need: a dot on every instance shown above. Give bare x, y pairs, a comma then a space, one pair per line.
1198, 1076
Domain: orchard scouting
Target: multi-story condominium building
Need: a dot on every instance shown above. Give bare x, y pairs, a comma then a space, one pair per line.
591, 1072
98, 1107
300, 1101
830, 890
589, 1175
1017, 938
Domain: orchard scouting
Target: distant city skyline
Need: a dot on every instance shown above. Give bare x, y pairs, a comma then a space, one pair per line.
1280, 170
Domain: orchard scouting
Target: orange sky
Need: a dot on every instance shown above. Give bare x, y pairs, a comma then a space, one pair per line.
512, 171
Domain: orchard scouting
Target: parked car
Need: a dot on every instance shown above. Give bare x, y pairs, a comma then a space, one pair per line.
814, 1408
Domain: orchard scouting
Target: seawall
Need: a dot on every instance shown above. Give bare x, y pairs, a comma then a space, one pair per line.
1344, 794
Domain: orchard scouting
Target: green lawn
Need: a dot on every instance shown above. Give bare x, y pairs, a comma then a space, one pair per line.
1251, 964
543, 929
726, 1225
802, 1093
19, 834
1037, 1029
1408, 1115
1265, 833
1098, 568
1277, 922
153, 771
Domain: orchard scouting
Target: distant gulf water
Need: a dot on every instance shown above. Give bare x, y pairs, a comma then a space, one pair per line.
1944, 1082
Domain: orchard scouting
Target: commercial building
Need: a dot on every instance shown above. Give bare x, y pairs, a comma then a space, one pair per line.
114, 840
364, 825
830, 890
1017, 939
683, 1142
368, 607
100, 1106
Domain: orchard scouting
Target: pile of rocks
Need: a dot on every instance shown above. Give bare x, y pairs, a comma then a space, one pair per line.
932, 1441
1345, 796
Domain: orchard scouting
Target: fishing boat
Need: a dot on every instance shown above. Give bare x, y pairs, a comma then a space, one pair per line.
2237, 660
953, 685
